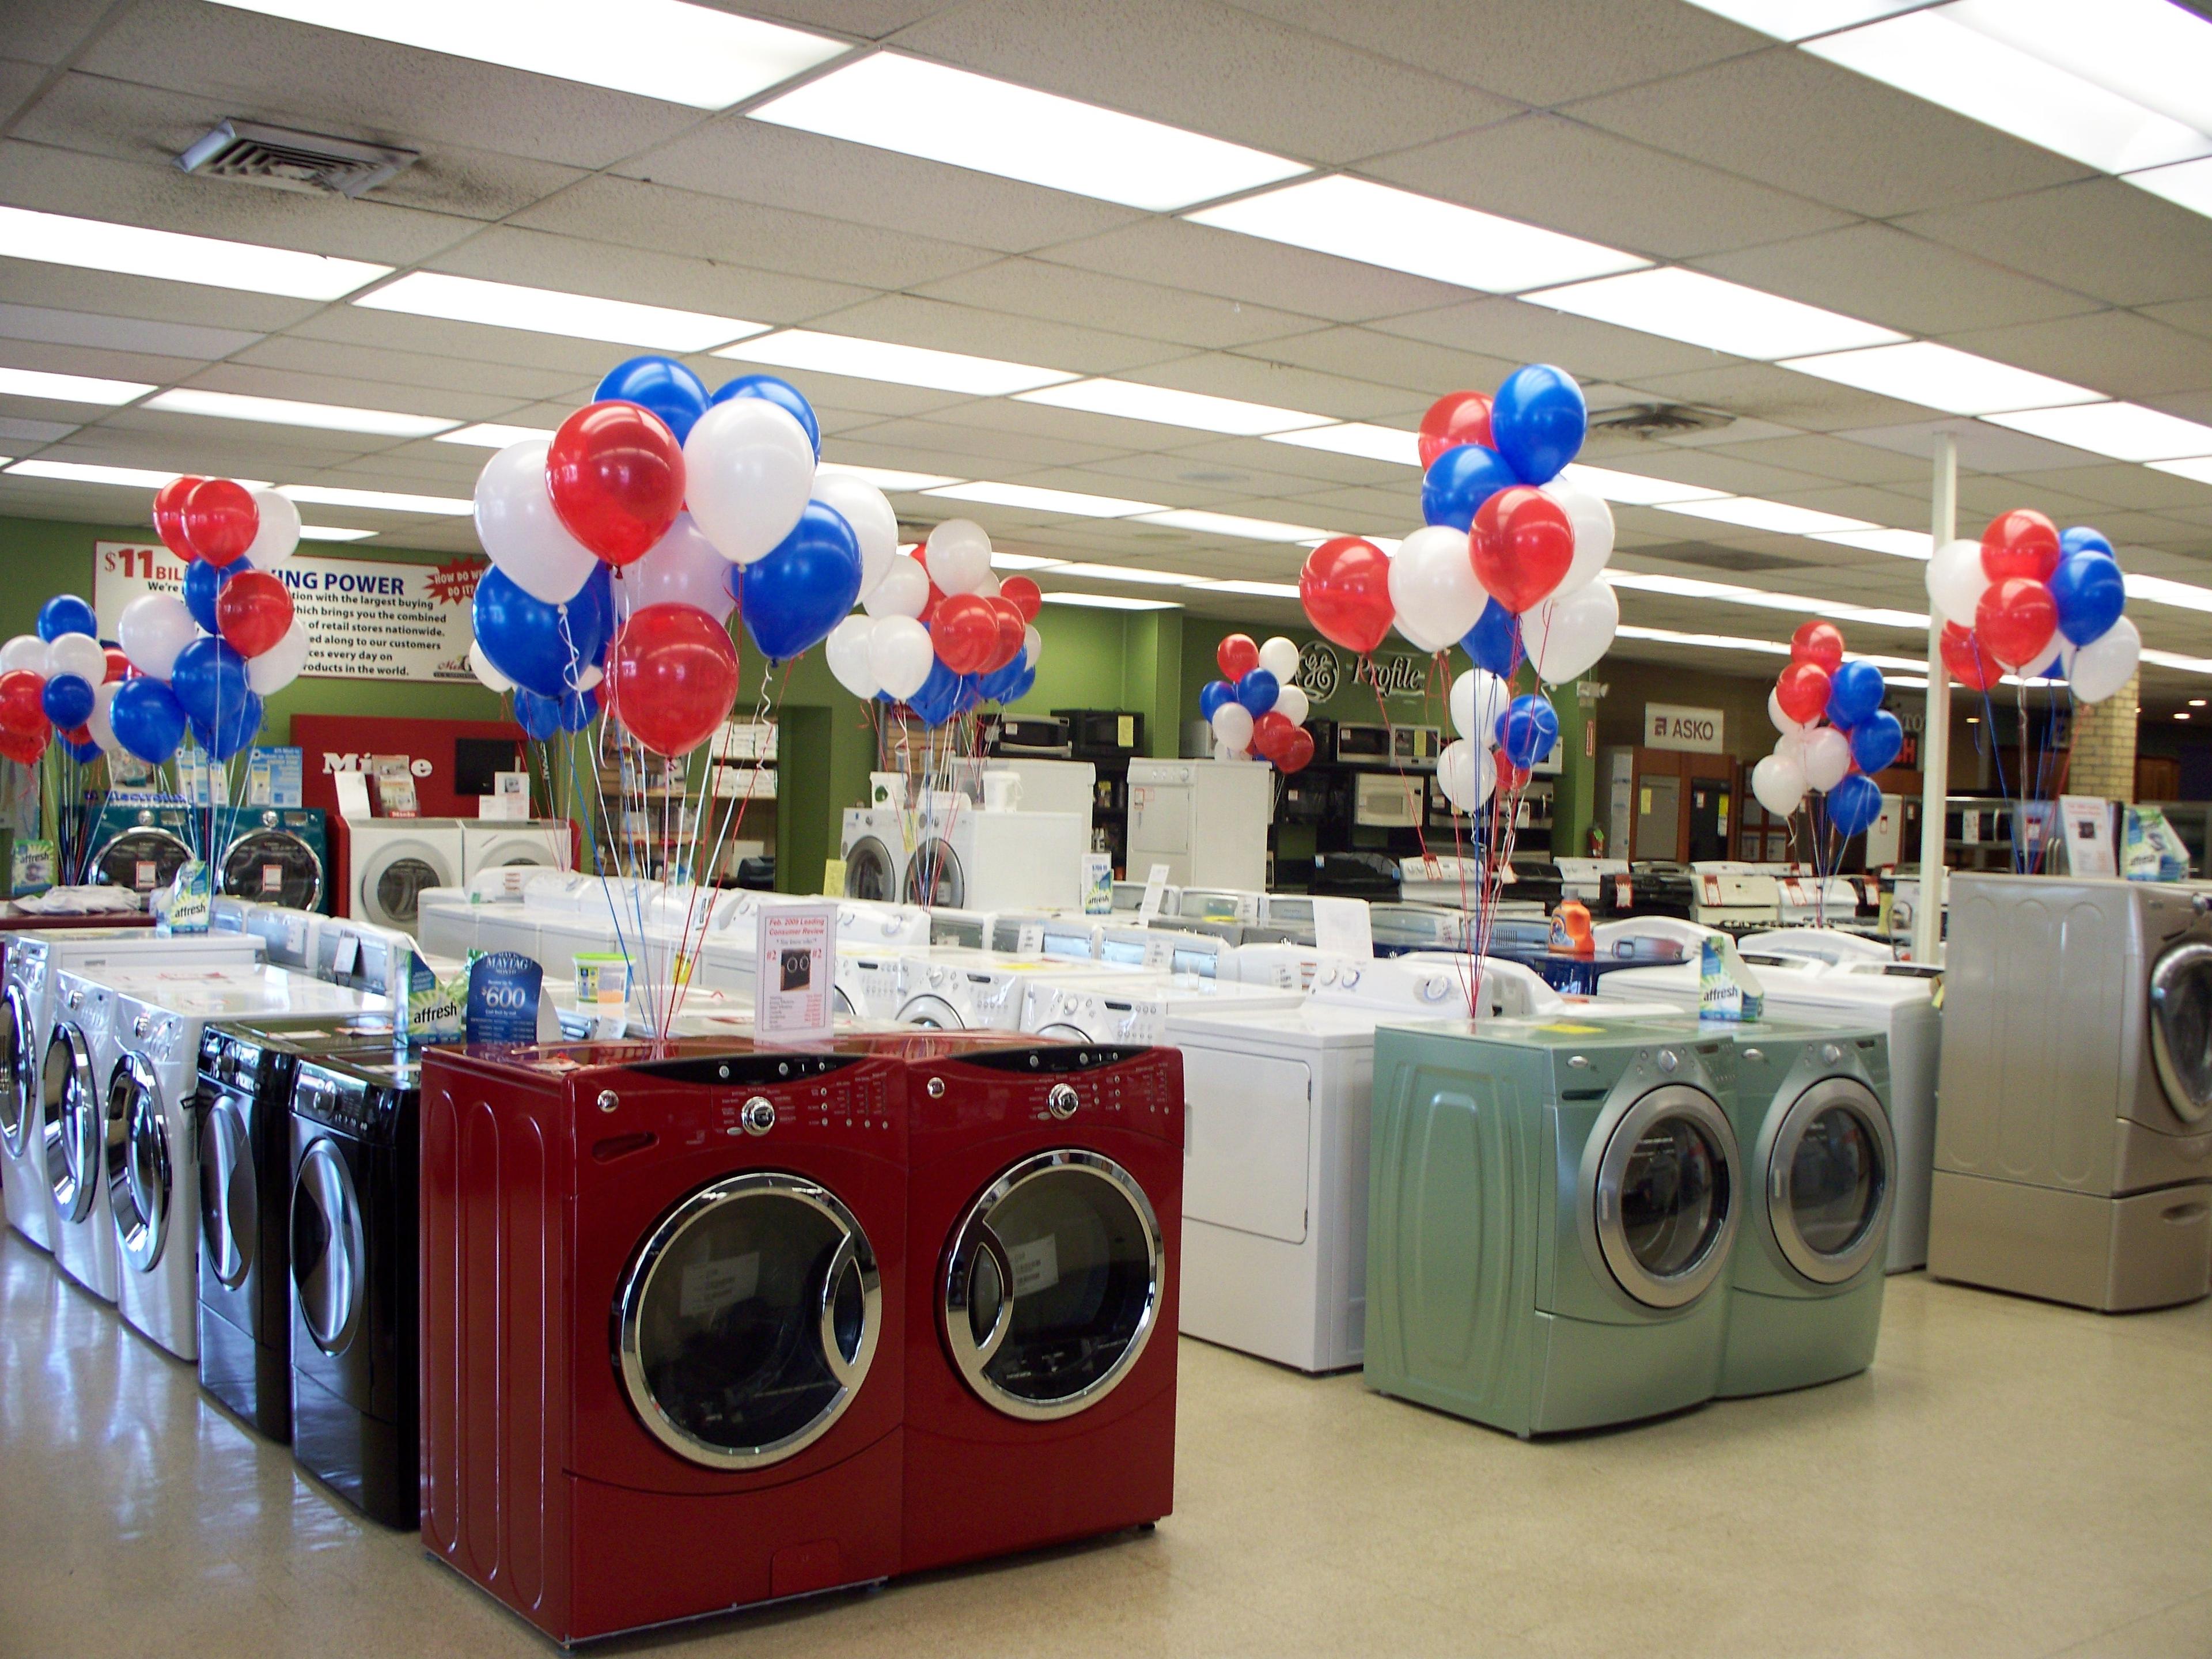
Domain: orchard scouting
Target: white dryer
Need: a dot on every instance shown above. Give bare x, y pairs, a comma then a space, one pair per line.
977, 860
499, 844
389, 861
952, 989
877, 843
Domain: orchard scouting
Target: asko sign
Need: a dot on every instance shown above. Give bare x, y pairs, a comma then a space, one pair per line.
1672, 726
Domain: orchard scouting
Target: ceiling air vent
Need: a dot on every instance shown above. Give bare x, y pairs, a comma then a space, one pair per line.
1661, 419
312, 162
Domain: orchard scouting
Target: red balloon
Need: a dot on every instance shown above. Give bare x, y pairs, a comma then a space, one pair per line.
1027, 596
965, 632
1270, 732
1509, 776
169, 512
1818, 642
1237, 655
616, 474
1456, 418
1013, 630
22, 747
2021, 543
1522, 543
671, 677
118, 666
2015, 620
252, 611
78, 734
23, 708
1803, 691
1969, 664
1297, 749
1345, 589
220, 521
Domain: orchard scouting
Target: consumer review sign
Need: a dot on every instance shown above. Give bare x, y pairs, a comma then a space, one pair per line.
1672, 726
371, 619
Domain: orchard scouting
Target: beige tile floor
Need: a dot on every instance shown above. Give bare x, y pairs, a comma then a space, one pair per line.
2011, 1478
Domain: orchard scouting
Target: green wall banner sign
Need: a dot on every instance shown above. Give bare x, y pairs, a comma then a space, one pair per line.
1323, 671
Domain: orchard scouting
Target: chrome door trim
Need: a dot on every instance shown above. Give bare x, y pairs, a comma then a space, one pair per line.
228, 1250
1779, 1142
853, 1253
932, 865
936, 1014
135, 1109
1601, 1196
2186, 1104
70, 1123
324, 1180
974, 1238
16, 1111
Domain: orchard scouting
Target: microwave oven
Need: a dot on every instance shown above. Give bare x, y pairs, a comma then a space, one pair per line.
1401, 746
1382, 800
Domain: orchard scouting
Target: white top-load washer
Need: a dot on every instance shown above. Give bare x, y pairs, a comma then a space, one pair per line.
35, 962
726, 952
974, 860
391, 860
515, 843
1585, 879
1830, 945
1119, 1006
1724, 893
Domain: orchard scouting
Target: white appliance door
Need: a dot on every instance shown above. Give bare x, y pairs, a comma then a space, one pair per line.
1830, 1180
1664, 1195
2181, 1028
392, 879
141, 1167
1247, 1141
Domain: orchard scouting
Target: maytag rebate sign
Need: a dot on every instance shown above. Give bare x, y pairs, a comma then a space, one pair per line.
369, 619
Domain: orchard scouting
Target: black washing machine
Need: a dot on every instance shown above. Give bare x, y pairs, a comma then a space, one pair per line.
355, 1299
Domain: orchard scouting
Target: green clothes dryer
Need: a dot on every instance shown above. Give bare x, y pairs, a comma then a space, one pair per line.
1811, 1112
1551, 1209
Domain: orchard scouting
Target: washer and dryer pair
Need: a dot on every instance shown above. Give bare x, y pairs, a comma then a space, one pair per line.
771, 1323
961, 857
389, 862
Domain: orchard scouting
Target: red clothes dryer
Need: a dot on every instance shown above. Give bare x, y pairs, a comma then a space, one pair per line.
1044, 1239
663, 1338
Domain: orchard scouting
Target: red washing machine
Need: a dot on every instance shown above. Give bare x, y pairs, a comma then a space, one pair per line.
663, 1338
1045, 1233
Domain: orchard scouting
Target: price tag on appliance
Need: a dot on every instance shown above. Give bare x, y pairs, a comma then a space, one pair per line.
1342, 927
272, 878
1098, 884
1624, 891
1712, 889
1156, 893
793, 998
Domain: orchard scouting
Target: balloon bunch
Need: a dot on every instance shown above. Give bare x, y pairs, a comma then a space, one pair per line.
1501, 737
2041, 605
1835, 733
50, 684
941, 635
1254, 708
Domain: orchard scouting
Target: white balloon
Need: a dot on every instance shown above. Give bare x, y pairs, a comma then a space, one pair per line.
1956, 578
486, 672
1478, 698
1033, 646
748, 474
2053, 664
1466, 774
29, 651
874, 524
900, 655
153, 629
959, 556
76, 654
1564, 637
847, 652
682, 567
1782, 723
1433, 589
1232, 726
1791, 746
1779, 784
1292, 704
1279, 657
519, 530
279, 532
1827, 757
1593, 522
280, 665
903, 590
103, 698
2097, 669
989, 589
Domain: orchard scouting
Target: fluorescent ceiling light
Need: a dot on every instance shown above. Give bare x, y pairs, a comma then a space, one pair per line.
1398, 230
1110, 602
1754, 514
1900, 544
2198, 468
1691, 587
2189, 185
901, 365
1709, 641
1257, 590
663, 49
86, 472
1001, 560
1068, 501
890, 101
1228, 524
1941, 57
1701, 310
330, 532
2153, 54
68, 388
2157, 589
1169, 407
1141, 574
888, 479
548, 311
1372, 443
2175, 659
490, 434
380, 501
95, 244
2126, 431
1634, 488
284, 411
1942, 377
1794, 20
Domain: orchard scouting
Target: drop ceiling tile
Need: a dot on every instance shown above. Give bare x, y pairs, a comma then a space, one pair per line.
1765, 393
1421, 367
449, 403
985, 449
433, 374
48, 31
20, 435
861, 20
1822, 456
1384, 512
1250, 376
582, 360
1062, 293
1220, 472
1981, 499
85, 328
64, 288
1822, 131
853, 399
2132, 487
18, 81
2193, 316
909, 320
1520, 332
1981, 447
2117, 352
147, 438
2098, 237
108, 365
1900, 506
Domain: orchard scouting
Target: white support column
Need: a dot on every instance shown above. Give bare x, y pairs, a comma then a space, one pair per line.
1935, 728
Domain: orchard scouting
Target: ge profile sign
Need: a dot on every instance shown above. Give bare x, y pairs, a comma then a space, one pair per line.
1671, 726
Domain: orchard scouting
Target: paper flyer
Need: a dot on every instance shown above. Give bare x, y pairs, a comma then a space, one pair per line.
793, 998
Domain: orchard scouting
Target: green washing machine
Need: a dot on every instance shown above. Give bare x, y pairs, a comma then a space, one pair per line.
1551, 1209
1811, 1112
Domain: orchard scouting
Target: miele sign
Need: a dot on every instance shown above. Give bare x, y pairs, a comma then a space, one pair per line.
1671, 726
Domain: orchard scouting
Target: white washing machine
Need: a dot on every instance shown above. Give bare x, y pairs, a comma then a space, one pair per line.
875, 843
499, 844
1829, 945
288, 936
1585, 879
729, 955
1064, 935
1116, 1006
149, 1122
391, 860
952, 989
977, 860
35, 962
1738, 896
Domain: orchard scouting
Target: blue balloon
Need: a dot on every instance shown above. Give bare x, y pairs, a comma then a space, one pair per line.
65, 613
1538, 421
791, 598
579, 709
1459, 481
538, 717
1491, 641
1027, 681
1855, 691
148, 719
2082, 540
235, 731
938, 699
203, 581
1855, 804
971, 693
1210, 696
209, 679
781, 393
661, 385
541, 647
1002, 684
2090, 593
1877, 740
68, 700
81, 753
1527, 729
1257, 691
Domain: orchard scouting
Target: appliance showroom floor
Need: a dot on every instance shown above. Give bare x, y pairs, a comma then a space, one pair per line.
2011, 1478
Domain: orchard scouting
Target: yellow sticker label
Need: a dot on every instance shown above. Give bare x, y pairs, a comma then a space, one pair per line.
833, 878
1574, 1030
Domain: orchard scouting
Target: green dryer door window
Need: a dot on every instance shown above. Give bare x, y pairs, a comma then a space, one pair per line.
1665, 1200
1829, 1180
2181, 1028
